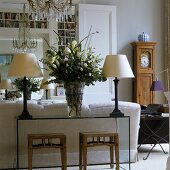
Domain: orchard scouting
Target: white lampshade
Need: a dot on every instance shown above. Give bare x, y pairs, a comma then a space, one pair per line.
24, 65
117, 66
6, 84
46, 86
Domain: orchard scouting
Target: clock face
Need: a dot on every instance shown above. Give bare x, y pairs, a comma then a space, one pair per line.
145, 60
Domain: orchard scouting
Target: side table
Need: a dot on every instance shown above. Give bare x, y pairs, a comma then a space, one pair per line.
153, 130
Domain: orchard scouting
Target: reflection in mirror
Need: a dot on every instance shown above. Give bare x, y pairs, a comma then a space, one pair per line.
6, 53
5, 61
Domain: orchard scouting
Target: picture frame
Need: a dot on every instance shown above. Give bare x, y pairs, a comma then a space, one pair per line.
60, 91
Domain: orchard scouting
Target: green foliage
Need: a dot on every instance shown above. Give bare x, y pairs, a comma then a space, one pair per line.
73, 64
33, 85
13, 94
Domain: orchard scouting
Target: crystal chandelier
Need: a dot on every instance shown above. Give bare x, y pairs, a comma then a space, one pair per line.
57, 9
24, 43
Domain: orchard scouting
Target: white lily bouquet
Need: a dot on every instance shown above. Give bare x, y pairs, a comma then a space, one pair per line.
74, 68
73, 64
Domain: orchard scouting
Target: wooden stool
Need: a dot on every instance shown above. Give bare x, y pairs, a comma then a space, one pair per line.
54, 140
92, 139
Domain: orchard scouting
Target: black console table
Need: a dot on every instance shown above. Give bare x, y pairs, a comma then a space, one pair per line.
119, 121
153, 130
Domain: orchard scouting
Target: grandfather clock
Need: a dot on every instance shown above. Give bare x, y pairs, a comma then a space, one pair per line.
144, 64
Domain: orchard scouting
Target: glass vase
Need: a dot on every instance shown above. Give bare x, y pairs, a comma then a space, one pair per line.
74, 96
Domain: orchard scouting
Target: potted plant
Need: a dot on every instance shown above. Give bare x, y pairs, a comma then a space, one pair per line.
33, 85
12, 95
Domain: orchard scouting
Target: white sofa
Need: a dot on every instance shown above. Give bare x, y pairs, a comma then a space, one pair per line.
9, 112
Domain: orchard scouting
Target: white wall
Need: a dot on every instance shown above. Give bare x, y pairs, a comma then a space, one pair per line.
134, 17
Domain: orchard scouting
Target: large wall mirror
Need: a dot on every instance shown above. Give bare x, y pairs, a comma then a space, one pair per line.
6, 55
6, 52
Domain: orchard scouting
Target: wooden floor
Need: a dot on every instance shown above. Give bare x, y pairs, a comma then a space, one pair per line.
156, 160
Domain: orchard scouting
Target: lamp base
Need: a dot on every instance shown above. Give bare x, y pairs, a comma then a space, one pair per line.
25, 115
116, 113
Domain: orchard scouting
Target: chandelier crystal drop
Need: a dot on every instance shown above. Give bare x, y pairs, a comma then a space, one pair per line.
24, 43
46, 9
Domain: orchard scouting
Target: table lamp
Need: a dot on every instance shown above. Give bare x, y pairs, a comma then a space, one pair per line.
117, 66
46, 86
157, 84
24, 65
6, 85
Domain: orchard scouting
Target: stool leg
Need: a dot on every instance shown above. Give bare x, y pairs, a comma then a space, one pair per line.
63, 155
111, 153
84, 157
30, 154
116, 139
80, 153
84, 152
